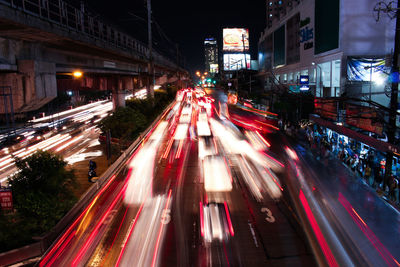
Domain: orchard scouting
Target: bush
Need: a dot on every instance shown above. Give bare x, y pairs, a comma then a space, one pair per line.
42, 190
42, 195
127, 123
124, 123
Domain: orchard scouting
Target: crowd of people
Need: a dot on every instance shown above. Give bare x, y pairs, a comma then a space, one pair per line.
366, 164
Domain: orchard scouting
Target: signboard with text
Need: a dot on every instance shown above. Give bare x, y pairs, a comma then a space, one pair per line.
326, 108
6, 199
307, 31
365, 118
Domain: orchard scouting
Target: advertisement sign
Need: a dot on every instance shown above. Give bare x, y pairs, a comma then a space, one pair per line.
367, 70
6, 199
326, 108
304, 79
365, 118
304, 83
213, 68
235, 39
307, 31
236, 61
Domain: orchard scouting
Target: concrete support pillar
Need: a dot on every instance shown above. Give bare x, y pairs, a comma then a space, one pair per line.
35, 82
118, 95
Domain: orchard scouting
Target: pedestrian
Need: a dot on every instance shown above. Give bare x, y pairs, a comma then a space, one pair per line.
92, 170
92, 165
367, 174
392, 187
397, 191
378, 180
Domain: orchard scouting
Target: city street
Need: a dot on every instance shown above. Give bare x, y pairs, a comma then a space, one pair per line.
180, 214
213, 133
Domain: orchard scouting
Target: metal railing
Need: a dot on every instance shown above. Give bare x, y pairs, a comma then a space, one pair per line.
65, 15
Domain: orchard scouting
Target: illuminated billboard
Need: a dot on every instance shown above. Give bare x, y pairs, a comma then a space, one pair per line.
235, 39
213, 68
236, 61
367, 70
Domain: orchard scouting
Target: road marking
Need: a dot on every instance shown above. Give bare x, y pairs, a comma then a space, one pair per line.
127, 235
269, 218
253, 233
166, 216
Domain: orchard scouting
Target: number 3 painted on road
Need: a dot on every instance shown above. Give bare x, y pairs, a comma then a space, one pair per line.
269, 218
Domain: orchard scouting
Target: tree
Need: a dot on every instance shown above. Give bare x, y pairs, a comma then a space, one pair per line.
124, 123
42, 190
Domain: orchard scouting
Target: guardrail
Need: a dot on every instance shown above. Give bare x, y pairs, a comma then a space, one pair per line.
38, 248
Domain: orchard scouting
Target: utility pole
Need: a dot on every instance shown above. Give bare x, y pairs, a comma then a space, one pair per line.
150, 66
177, 64
388, 9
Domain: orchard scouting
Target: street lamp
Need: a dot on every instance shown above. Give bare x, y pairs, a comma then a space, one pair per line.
77, 74
320, 79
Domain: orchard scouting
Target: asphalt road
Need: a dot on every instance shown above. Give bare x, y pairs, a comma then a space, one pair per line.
174, 206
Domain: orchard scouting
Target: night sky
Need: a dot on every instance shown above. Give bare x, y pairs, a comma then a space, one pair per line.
185, 22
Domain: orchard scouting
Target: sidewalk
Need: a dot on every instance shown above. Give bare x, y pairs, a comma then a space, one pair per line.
320, 154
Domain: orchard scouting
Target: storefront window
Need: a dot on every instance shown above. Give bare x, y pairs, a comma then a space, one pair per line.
296, 77
290, 77
326, 74
312, 75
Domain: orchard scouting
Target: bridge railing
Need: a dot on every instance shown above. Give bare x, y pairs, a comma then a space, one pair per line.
66, 15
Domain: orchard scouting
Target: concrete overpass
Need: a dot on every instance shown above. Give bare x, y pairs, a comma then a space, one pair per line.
42, 42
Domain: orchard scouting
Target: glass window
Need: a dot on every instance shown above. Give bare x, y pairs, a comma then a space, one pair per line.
312, 75
304, 72
285, 78
296, 77
326, 74
290, 77
336, 73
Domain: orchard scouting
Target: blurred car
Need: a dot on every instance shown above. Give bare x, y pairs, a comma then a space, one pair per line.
11, 140
215, 222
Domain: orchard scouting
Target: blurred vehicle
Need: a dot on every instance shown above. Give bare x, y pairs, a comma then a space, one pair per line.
215, 222
94, 118
11, 140
186, 114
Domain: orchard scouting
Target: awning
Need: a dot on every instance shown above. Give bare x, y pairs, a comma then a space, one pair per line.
34, 105
372, 142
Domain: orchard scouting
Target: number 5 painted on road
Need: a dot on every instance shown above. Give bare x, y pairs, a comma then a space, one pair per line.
166, 216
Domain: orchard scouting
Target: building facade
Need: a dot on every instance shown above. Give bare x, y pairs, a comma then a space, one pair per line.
211, 55
337, 44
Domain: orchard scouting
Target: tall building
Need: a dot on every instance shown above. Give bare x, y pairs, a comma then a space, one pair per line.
211, 55
337, 44
277, 9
